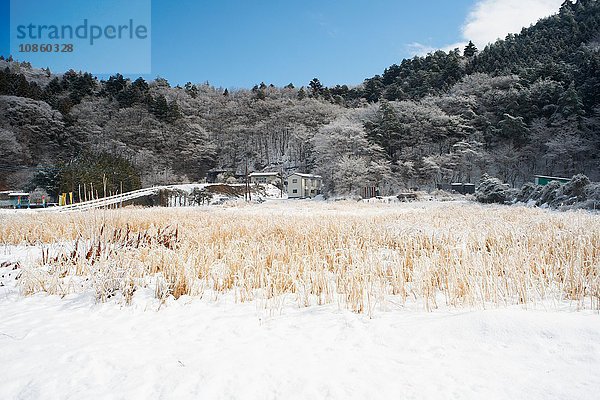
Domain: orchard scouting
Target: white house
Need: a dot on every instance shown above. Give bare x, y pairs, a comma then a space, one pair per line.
263, 177
303, 185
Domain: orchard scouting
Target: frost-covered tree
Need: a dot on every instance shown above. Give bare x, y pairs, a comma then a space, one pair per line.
346, 159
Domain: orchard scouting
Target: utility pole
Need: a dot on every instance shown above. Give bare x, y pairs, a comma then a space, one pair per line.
281, 176
246, 186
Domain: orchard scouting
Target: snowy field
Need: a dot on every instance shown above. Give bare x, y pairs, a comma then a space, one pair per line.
209, 344
70, 348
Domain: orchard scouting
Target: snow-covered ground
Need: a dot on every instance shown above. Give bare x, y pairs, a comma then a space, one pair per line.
73, 348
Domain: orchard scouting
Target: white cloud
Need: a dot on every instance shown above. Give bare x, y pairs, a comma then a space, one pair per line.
494, 19
421, 49
489, 20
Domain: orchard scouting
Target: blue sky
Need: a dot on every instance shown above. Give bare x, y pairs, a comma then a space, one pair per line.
240, 43
236, 43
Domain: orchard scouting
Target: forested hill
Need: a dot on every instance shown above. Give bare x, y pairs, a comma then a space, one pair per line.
525, 105
563, 47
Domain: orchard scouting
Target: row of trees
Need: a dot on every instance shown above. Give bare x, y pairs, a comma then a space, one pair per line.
87, 176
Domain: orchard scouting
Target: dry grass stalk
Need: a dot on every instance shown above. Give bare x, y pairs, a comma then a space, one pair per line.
355, 254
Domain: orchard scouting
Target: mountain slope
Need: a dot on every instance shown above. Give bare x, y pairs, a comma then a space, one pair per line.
525, 105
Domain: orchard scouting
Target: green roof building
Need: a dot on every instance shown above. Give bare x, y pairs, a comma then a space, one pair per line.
544, 180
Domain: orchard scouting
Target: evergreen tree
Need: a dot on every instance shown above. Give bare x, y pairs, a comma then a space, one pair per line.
115, 85
301, 93
191, 90
98, 169
163, 110
385, 130
372, 89
470, 50
259, 91
316, 88
515, 129
47, 178
570, 104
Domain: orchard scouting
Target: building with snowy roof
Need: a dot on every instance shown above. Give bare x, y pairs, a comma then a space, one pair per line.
301, 186
263, 177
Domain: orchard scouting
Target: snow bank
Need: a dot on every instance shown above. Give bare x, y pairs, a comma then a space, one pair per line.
72, 348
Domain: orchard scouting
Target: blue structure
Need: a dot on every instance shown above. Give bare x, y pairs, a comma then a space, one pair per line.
10, 199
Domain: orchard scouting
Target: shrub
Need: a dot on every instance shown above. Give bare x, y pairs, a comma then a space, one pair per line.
492, 190
549, 193
528, 190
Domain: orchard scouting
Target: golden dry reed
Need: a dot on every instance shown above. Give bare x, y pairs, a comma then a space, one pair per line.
360, 256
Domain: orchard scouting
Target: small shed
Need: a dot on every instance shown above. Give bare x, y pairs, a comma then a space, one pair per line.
263, 177
457, 187
213, 175
9, 199
5, 200
544, 180
369, 192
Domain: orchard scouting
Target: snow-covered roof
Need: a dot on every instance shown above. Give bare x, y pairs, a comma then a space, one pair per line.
307, 175
263, 174
552, 177
18, 194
